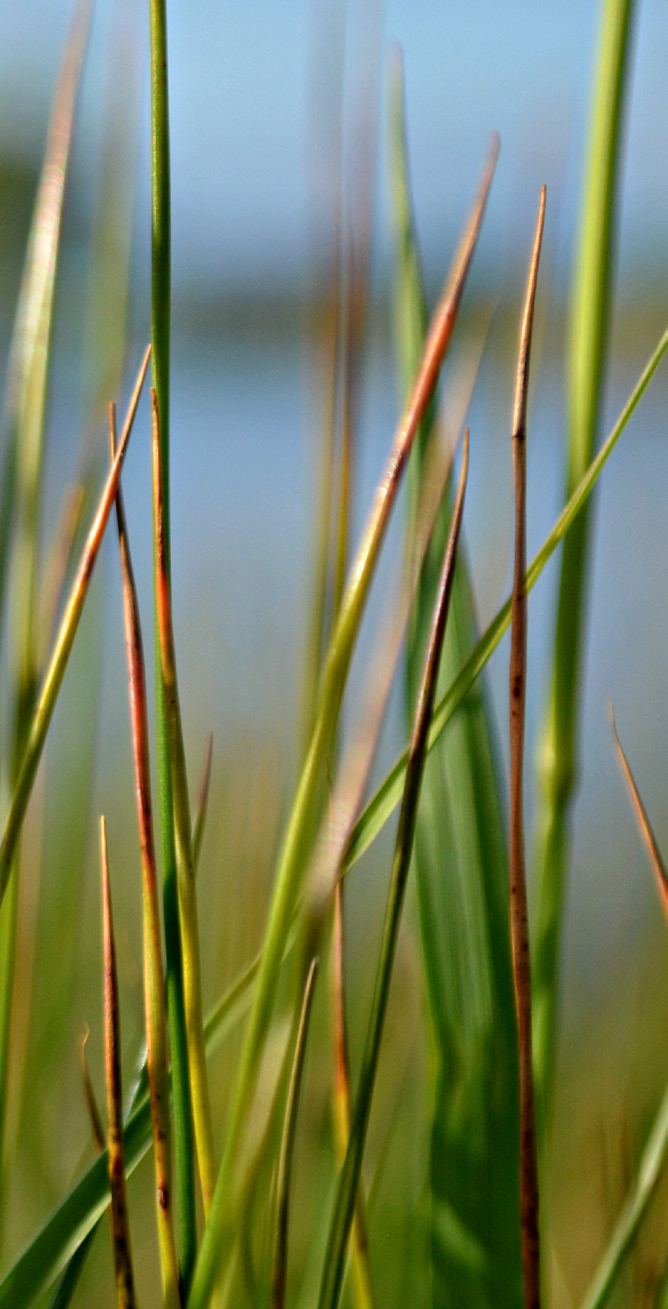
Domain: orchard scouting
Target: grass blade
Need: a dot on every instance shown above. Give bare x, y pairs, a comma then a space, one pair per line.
348, 1186
202, 803
461, 866
519, 914
299, 834
280, 1263
388, 795
91, 1103
588, 345
61, 651
120, 1228
185, 867
644, 824
154, 992
161, 336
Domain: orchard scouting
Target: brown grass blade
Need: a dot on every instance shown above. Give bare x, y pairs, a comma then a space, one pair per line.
519, 923
644, 824
155, 1010
63, 645
120, 1227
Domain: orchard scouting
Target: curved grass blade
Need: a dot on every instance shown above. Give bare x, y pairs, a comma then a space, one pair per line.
348, 1186
36, 736
587, 355
185, 868
161, 335
280, 1262
202, 803
299, 833
120, 1227
461, 866
388, 795
155, 1013
519, 914
644, 824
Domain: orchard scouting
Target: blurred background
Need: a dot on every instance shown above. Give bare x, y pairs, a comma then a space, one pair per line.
272, 118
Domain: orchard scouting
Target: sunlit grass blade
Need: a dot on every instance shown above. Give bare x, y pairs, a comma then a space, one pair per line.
280, 1262
590, 315
161, 335
120, 1227
202, 802
155, 1012
348, 1185
519, 912
646, 830
383, 803
185, 867
36, 735
461, 865
299, 834
59, 562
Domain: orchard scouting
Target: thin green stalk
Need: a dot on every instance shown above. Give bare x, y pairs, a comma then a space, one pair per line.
348, 1186
280, 1261
155, 1014
120, 1227
385, 800
39, 725
185, 866
202, 803
296, 846
519, 914
161, 331
592, 298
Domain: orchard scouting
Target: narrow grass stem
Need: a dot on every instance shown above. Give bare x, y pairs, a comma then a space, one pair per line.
588, 344
519, 916
120, 1228
185, 868
348, 1187
646, 829
39, 725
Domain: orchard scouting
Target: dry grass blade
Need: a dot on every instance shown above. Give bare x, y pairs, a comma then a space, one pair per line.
64, 640
644, 824
154, 990
349, 1181
185, 869
120, 1228
519, 919
280, 1264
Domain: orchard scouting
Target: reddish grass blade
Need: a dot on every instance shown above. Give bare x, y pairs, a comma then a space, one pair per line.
280, 1265
644, 824
63, 645
519, 920
120, 1227
154, 989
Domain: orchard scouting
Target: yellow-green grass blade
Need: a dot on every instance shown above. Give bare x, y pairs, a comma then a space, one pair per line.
184, 1153
348, 1185
386, 798
462, 880
217, 1239
280, 1261
39, 725
590, 315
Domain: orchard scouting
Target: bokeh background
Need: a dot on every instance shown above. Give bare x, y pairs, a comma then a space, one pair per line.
265, 102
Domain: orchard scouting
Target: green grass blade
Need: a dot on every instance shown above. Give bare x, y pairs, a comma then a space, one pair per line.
588, 345
348, 1186
39, 726
161, 334
386, 798
628, 1224
462, 879
299, 834
120, 1225
280, 1261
